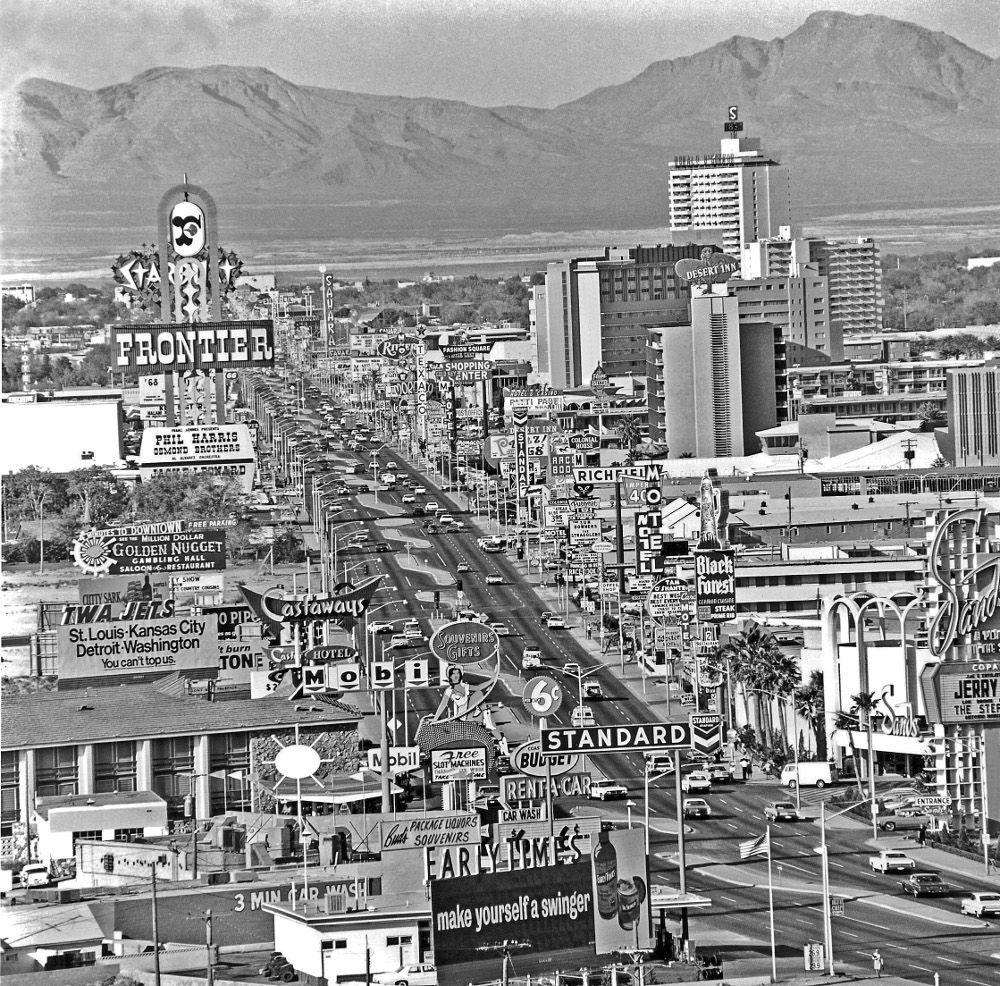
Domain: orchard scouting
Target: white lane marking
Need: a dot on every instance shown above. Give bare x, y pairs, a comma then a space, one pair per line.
732, 900
778, 844
792, 866
901, 948
850, 934
942, 958
921, 917
978, 982
870, 924
922, 968
731, 825
723, 801
737, 808
840, 866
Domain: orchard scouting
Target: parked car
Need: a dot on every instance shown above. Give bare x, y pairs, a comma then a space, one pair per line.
408, 975
592, 690
697, 780
555, 623
782, 811
278, 968
494, 580
925, 885
810, 773
606, 790
891, 860
35, 875
582, 716
981, 904
904, 823
696, 808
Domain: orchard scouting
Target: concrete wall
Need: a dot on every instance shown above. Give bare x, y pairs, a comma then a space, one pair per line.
82, 426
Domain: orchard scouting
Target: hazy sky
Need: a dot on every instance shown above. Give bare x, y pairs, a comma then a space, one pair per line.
537, 52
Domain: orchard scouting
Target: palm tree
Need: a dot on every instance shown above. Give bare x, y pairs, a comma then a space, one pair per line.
930, 416
759, 665
628, 434
810, 704
863, 705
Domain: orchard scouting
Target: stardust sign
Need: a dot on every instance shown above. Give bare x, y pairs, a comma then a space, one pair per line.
168, 348
635, 737
342, 607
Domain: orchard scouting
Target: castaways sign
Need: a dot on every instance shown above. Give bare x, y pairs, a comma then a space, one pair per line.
969, 600
342, 607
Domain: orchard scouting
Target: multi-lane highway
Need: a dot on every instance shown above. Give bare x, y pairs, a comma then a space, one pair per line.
917, 939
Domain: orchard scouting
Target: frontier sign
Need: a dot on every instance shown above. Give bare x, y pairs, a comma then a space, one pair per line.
632, 738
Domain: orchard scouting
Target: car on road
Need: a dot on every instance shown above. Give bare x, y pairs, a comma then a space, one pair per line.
459, 525
782, 811
697, 780
985, 903
696, 808
398, 640
382, 546
904, 823
592, 690
431, 507
463, 566
659, 763
530, 658
432, 529
606, 790
413, 633
721, 773
925, 885
500, 629
891, 860
582, 716
544, 618
535, 652
494, 580
446, 520
409, 498
818, 774
571, 667
422, 490
408, 975
378, 626
555, 623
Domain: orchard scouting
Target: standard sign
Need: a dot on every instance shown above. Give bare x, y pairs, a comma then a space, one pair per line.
602, 475
636, 737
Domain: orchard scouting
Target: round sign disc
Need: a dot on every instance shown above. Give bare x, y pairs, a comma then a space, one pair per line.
297, 762
543, 696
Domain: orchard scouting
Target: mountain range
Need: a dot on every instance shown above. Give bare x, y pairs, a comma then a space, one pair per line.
866, 111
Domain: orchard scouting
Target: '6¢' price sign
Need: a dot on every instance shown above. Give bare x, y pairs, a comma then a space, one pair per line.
542, 696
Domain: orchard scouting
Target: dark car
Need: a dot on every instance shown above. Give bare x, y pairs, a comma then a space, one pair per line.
382, 546
925, 885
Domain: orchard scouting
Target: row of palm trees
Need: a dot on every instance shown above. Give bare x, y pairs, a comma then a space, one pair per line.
766, 677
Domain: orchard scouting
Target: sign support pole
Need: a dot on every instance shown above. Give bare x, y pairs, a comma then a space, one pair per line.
620, 539
681, 865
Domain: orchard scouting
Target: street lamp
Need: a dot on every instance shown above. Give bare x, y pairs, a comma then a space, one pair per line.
629, 805
649, 769
824, 851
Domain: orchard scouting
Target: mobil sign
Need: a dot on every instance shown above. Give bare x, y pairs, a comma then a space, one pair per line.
527, 759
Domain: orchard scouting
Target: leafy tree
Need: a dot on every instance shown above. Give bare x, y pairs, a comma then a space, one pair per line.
863, 706
188, 497
96, 496
11, 306
930, 416
628, 434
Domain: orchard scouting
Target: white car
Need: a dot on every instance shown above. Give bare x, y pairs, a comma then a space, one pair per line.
571, 667
376, 627
459, 525
431, 507
409, 498
413, 633
890, 860
592, 690
555, 623
604, 790
408, 975
531, 657
420, 489
494, 580
696, 808
398, 640
582, 716
982, 904
463, 566
697, 780
500, 629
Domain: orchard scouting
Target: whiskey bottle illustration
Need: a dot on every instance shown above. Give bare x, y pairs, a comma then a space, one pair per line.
606, 872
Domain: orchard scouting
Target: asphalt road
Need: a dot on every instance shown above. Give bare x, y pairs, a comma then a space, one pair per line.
916, 940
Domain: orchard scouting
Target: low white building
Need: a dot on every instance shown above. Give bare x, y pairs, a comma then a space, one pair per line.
342, 938
61, 820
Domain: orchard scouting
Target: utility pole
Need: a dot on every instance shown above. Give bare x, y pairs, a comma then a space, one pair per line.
209, 966
156, 933
907, 504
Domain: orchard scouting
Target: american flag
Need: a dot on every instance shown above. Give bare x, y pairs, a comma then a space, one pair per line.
760, 846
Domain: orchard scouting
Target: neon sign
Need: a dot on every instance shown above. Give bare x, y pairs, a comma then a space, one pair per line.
970, 600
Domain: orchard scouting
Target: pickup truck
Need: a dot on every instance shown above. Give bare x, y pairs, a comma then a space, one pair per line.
889, 860
925, 885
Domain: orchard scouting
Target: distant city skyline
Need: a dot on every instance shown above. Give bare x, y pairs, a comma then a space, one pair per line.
532, 52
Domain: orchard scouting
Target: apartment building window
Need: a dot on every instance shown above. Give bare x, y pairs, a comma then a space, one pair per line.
335, 943
55, 771
843, 528
114, 767
128, 835
10, 792
95, 834
173, 766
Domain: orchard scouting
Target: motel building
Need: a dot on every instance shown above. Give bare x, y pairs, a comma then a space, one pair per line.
930, 656
194, 755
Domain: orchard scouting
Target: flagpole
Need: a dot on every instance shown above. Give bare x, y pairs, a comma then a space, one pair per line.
770, 904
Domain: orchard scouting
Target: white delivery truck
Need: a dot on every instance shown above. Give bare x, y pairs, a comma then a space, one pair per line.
810, 773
